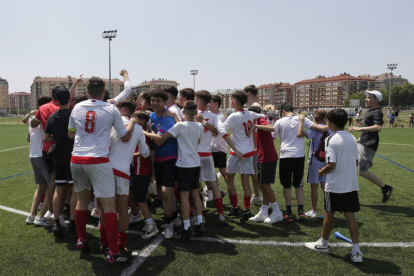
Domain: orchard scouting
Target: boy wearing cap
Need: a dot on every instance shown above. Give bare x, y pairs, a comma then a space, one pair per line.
369, 140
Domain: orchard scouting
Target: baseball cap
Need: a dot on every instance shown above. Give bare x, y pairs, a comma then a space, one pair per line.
62, 95
375, 93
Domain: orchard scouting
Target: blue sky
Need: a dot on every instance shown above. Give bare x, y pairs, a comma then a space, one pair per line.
231, 43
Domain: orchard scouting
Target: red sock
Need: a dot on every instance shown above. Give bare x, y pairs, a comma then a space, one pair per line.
246, 200
123, 237
111, 225
233, 200
81, 217
104, 237
219, 205
43, 199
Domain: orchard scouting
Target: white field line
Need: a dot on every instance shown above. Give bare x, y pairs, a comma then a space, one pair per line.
397, 144
271, 243
142, 256
14, 148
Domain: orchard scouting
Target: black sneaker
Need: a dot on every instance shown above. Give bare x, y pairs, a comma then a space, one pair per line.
234, 212
82, 245
104, 249
186, 234
201, 229
246, 215
66, 209
57, 229
223, 193
115, 258
386, 193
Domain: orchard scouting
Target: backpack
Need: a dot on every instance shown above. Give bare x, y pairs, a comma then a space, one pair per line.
320, 152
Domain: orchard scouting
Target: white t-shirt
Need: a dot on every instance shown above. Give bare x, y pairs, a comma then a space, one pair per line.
36, 140
204, 148
240, 123
124, 94
341, 148
188, 134
175, 109
92, 120
217, 142
290, 144
121, 153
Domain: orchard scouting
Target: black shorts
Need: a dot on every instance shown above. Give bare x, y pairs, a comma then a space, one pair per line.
49, 162
140, 184
188, 179
220, 159
165, 173
266, 172
347, 202
292, 166
63, 175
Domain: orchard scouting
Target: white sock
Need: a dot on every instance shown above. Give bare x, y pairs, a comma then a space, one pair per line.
275, 207
186, 224
199, 219
149, 221
265, 210
355, 248
324, 242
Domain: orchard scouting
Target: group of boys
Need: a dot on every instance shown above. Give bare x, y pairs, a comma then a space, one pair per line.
119, 145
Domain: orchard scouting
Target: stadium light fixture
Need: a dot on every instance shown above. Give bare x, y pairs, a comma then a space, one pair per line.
194, 73
109, 35
390, 66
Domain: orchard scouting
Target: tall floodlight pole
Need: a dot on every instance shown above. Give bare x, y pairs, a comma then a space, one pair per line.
391, 67
109, 35
194, 73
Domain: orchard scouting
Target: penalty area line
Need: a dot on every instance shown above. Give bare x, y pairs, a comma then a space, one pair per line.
14, 148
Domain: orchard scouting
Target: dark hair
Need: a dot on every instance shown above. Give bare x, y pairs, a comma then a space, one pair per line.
320, 114
240, 96
44, 100
107, 95
81, 98
251, 89
147, 97
338, 116
255, 109
204, 95
188, 93
216, 99
95, 87
159, 93
62, 95
171, 90
141, 114
54, 90
190, 108
286, 107
127, 104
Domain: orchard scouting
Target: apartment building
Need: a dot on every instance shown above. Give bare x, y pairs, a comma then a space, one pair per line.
328, 92
275, 94
225, 95
4, 101
383, 81
152, 84
20, 100
42, 86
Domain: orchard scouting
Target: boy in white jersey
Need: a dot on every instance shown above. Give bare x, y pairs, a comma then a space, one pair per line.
186, 94
210, 125
341, 189
188, 134
120, 156
90, 125
240, 124
171, 105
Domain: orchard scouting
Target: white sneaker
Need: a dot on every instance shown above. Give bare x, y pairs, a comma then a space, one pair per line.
168, 231
62, 221
30, 219
357, 258
48, 215
210, 195
91, 205
135, 218
274, 217
311, 214
256, 200
41, 221
259, 217
150, 231
95, 213
176, 223
317, 246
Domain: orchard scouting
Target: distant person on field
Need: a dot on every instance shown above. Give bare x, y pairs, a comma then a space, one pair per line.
341, 189
350, 119
411, 124
397, 113
392, 119
369, 140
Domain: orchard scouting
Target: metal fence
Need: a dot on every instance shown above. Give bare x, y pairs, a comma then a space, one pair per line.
11, 120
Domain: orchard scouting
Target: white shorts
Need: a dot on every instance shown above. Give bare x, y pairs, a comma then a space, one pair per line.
245, 166
121, 185
207, 171
99, 175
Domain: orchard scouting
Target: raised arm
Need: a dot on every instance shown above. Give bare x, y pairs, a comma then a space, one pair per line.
127, 89
26, 118
73, 88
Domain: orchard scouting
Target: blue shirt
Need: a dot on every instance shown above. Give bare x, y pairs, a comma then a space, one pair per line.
160, 125
316, 140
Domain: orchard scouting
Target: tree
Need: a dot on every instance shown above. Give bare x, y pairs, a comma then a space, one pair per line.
13, 110
23, 111
356, 96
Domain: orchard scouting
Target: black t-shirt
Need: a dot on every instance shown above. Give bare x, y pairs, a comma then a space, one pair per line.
396, 113
57, 125
371, 139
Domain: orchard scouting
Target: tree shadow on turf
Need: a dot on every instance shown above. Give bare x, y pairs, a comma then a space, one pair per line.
392, 210
371, 266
